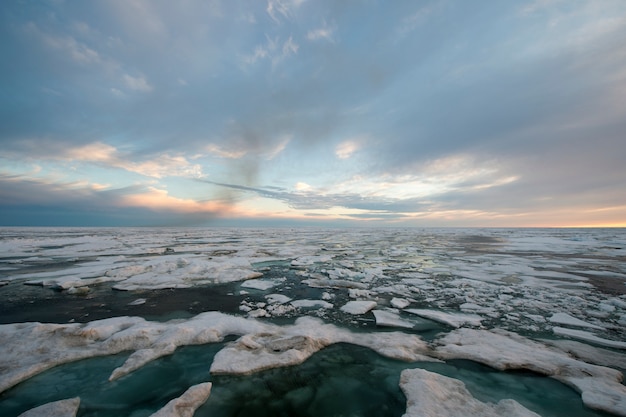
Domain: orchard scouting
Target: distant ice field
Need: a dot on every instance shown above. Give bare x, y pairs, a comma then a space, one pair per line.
270, 304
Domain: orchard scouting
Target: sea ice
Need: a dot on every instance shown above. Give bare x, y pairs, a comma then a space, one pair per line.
187, 404
358, 307
588, 337
259, 284
455, 320
311, 304
400, 302
277, 298
432, 394
566, 319
291, 345
61, 408
386, 318
600, 387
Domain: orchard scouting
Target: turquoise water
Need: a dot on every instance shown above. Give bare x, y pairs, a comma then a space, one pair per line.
341, 380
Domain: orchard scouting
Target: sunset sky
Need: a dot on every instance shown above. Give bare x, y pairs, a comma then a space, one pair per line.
313, 112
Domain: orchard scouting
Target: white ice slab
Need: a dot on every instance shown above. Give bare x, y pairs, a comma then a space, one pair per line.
358, 307
600, 387
400, 302
259, 284
455, 320
567, 320
431, 394
386, 318
292, 345
311, 304
61, 408
187, 404
588, 337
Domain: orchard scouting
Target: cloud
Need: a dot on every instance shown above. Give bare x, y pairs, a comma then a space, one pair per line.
346, 149
324, 32
41, 202
284, 8
137, 83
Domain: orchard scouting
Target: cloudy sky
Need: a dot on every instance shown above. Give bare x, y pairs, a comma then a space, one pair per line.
313, 112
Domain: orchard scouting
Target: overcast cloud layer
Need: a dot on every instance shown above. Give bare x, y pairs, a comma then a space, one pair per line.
426, 113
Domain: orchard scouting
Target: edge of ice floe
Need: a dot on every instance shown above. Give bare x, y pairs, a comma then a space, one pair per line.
600, 387
61, 408
432, 394
187, 404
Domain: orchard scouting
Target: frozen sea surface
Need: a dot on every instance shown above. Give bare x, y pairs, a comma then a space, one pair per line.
561, 291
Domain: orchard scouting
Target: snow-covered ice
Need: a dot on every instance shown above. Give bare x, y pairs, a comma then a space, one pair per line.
431, 394
358, 307
187, 404
565, 283
455, 320
600, 387
61, 408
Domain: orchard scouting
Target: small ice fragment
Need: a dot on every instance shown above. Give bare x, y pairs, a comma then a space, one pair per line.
455, 320
137, 302
389, 319
327, 296
311, 304
258, 284
400, 302
358, 307
277, 298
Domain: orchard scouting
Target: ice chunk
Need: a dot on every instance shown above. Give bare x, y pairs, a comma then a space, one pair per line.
259, 284
334, 283
588, 337
61, 408
311, 304
187, 404
389, 319
566, 319
600, 387
431, 394
277, 298
291, 345
358, 307
455, 320
400, 302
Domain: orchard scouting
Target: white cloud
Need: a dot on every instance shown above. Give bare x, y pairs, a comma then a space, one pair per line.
346, 149
290, 47
164, 165
302, 186
325, 32
137, 83
283, 8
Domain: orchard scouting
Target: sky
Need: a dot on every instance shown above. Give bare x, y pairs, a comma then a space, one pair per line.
313, 112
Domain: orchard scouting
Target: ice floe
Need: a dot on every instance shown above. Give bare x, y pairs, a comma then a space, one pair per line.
455, 320
187, 404
385, 318
358, 307
399, 302
50, 345
432, 394
566, 319
600, 387
588, 337
61, 408
311, 304
292, 345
